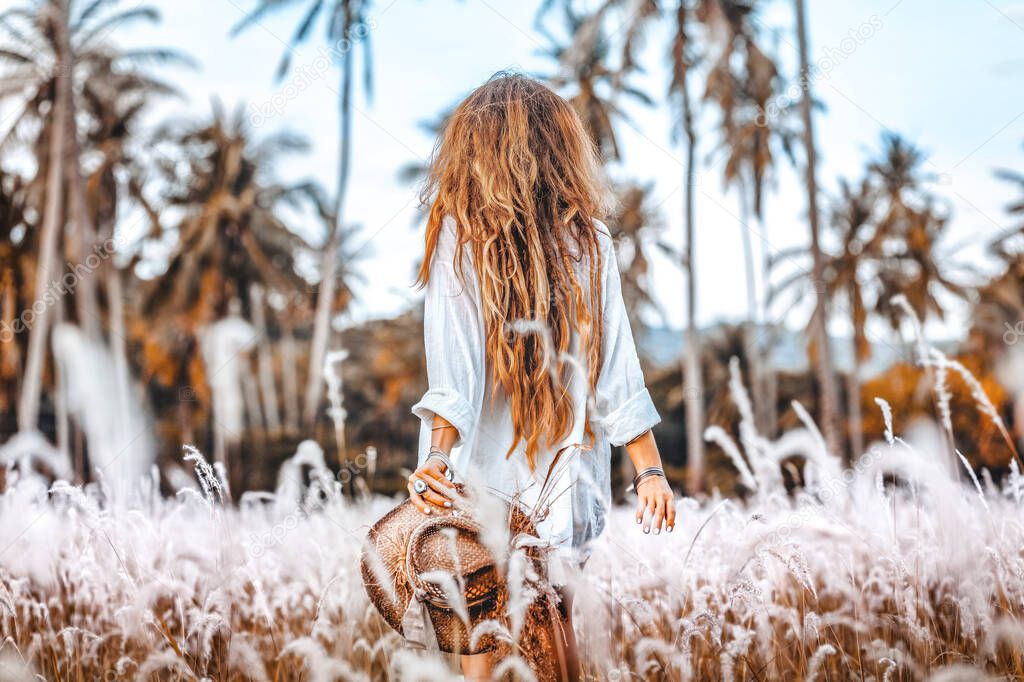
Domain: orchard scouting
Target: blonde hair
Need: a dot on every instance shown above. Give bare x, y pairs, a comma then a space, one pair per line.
521, 178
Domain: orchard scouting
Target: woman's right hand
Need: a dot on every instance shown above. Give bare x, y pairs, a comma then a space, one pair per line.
440, 491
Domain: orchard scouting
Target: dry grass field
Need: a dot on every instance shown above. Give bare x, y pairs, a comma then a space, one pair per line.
891, 570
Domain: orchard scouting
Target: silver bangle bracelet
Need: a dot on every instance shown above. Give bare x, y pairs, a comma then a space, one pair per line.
449, 470
647, 473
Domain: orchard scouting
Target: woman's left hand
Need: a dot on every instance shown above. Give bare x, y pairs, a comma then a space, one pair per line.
657, 504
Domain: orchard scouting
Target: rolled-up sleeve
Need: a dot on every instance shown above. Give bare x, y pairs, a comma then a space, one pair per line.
624, 406
453, 341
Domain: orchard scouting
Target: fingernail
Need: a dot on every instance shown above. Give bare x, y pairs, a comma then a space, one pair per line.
647, 530
657, 531
639, 521
447, 504
428, 510
671, 528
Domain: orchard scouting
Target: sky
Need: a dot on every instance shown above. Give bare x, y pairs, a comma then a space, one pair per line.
947, 74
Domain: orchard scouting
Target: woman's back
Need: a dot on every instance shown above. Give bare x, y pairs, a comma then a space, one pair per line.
463, 391
532, 370
517, 179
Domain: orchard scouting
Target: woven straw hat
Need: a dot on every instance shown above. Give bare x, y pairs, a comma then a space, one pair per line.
411, 557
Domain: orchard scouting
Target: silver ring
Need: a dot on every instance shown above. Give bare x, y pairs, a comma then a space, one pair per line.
419, 486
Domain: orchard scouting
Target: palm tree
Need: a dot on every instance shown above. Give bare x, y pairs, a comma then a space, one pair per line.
51, 20
742, 89
995, 338
908, 234
229, 240
727, 29
781, 129
115, 102
1002, 298
593, 88
888, 231
997, 314
230, 235
683, 59
821, 355
852, 220
586, 78
56, 52
342, 19
17, 257
917, 272
631, 226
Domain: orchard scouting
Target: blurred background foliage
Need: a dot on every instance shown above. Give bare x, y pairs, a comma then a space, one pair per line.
227, 346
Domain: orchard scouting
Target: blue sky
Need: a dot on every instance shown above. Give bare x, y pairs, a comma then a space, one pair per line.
948, 74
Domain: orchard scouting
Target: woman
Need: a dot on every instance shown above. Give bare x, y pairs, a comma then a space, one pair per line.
530, 356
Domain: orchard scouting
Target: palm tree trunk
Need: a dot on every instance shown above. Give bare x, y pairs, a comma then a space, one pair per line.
856, 417
28, 402
289, 380
769, 376
1018, 418
321, 332
257, 425
853, 399
118, 343
329, 264
114, 288
264, 361
751, 339
693, 383
10, 352
61, 416
828, 412
80, 233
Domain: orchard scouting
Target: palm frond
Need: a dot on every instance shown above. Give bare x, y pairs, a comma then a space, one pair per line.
300, 36
90, 10
157, 55
304, 29
263, 9
13, 31
107, 25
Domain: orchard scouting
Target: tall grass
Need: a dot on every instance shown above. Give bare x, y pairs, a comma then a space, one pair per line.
857, 578
888, 570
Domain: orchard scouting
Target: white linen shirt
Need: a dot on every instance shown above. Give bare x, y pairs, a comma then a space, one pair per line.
459, 390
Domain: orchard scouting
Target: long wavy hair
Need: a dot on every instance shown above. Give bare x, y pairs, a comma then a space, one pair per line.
517, 172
